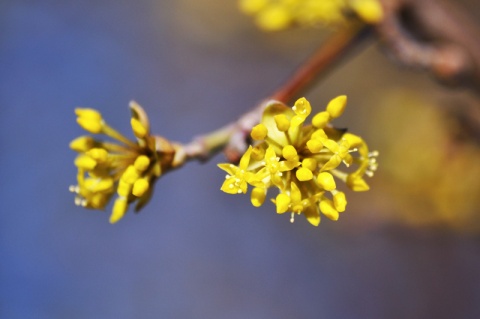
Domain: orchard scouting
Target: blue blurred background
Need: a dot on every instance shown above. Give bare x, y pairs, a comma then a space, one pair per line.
193, 252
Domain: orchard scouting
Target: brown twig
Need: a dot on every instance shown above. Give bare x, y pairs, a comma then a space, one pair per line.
433, 35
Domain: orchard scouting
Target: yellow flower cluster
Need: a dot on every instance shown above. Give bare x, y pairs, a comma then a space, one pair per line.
301, 161
129, 168
272, 15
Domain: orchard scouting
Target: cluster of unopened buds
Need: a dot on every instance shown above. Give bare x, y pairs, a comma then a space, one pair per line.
129, 168
302, 161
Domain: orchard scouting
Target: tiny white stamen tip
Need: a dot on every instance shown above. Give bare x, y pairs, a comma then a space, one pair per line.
263, 163
73, 188
230, 186
369, 173
227, 176
239, 191
78, 201
353, 150
373, 154
292, 218
294, 107
280, 174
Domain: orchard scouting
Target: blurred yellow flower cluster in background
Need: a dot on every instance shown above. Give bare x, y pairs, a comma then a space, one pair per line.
273, 15
301, 161
437, 182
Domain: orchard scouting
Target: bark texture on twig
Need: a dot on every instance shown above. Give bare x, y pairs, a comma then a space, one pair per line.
434, 35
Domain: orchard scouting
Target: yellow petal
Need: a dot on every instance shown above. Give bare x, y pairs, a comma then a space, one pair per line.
139, 114
370, 11
89, 119
289, 152
245, 160
98, 154
252, 6
332, 163
326, 180
357, 183
340, 201
130, 175
295, 193
90, 125
282, 202
302, 107
310, 163
312, 215
82, 143
273, 109
304, 174
141, 163
314, 146
258, 196
227, 167
99, 185
274, 18
138, 129
283, 123
140, 187
336, 106
85, 162
229, 186
327, 208
258, 153
123, 188
119, 209
88, 113
321, 119
259, 132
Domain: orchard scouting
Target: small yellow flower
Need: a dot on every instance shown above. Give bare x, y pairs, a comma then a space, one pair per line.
129, 168
273, 15
302, 161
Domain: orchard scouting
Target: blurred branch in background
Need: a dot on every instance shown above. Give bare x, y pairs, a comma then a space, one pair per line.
433, 35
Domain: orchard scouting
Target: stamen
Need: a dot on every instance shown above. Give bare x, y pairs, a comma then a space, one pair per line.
78, 201
292, 217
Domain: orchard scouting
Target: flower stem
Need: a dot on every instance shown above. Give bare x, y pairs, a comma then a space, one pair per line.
330, 52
